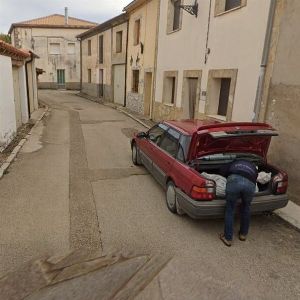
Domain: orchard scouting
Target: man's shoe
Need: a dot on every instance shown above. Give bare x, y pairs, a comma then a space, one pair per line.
242, 237
224, 240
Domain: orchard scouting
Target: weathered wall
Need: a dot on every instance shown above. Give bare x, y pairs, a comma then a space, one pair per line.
284, 96
38, 40
7, 106
236, 40
136, 60
92, 62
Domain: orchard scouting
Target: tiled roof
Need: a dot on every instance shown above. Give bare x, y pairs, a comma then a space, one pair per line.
9, 50
55, 21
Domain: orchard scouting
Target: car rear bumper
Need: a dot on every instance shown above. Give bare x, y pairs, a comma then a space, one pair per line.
216, 208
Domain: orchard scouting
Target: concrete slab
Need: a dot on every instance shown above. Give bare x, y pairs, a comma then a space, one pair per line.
290, 213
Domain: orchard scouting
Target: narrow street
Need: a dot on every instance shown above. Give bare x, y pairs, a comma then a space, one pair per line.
74, 185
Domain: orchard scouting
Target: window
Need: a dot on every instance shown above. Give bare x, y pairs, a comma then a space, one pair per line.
137, 32
224, 96
176, 15
101, 49
135, 81
54, 48
170, 87
230, 4
119, 41
155, 133
222, 6
89, 75
220, 93
71, 48
89, 47
169, 142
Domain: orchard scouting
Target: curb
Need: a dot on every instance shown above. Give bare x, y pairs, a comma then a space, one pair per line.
17, 149
132, 117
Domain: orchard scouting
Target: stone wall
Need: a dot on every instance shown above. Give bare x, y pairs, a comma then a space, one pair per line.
167, 112
135, 102
54, 85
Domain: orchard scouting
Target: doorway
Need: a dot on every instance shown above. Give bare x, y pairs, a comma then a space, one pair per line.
100, 87
61, 82
190, 97
147, 93
119, 84
17, 97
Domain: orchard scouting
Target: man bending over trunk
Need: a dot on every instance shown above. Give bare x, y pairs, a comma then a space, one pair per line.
241, 183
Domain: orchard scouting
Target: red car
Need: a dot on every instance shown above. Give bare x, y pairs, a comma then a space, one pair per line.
177, 152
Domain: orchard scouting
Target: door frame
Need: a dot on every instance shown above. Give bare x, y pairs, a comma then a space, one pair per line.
191, 74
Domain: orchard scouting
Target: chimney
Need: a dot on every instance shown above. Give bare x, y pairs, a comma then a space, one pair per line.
66, 16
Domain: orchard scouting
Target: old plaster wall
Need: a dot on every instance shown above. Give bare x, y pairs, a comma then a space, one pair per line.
38, 40
142, 56
92, 62
7, 106
284, 96
235, 42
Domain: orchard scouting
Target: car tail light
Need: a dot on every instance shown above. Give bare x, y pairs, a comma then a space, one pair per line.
206, 191
280, 184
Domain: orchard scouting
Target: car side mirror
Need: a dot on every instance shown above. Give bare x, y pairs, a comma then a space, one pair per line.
141, 135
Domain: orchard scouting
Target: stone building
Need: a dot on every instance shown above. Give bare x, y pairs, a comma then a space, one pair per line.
103, 60
209, 57
141, 54
53, 39
279, 103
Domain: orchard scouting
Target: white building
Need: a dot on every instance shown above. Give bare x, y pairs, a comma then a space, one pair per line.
18, 90
210, 64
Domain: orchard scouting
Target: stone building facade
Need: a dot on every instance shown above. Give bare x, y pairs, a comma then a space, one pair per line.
141, 54
279, 104
103, 60
53, 39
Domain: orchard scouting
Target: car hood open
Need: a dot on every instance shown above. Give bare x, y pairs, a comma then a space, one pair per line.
233, 141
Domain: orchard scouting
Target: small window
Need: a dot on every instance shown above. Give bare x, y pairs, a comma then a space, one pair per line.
89, 47
119, 41
155, 133
176, 15
224, 96
230, 4
89, 75
170, 144
135, 81
54, 48
137, 31
101, 49
71, 48
170, 89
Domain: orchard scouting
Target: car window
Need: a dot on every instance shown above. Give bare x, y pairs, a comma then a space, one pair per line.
170, 144
184, 144
155, 133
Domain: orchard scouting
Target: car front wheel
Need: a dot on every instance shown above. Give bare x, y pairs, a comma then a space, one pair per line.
135, 156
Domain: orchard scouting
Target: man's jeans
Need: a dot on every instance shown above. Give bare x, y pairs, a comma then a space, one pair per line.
238, 187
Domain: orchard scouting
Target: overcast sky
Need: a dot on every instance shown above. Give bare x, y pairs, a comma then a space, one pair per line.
12, 11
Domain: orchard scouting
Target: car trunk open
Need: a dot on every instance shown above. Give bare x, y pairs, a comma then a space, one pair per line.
215, 150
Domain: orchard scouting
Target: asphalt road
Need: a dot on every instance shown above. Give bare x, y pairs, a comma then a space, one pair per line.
74, 186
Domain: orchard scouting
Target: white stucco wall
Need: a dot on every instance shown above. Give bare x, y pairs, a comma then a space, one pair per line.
7, 106
236, 41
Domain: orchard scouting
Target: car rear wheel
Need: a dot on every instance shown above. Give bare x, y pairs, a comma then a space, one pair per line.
135, 156
171, 197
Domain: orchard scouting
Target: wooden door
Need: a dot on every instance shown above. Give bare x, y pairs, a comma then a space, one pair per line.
119, 84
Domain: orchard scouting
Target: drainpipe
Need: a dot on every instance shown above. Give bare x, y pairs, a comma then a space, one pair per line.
126, 65
80, 40
66, 16
27, 83
264, 62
